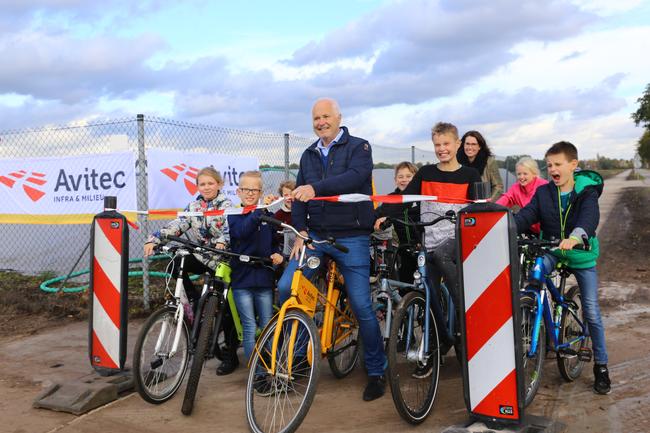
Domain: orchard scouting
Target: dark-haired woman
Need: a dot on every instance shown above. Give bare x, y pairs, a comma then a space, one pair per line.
474, 152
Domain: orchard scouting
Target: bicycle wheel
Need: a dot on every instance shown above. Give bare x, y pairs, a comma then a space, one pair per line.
205, 332
532, 363
571, 331
157, 371
413, 380
345, 340
278, 403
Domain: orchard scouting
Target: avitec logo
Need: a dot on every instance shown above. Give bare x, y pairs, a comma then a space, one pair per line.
30, 182
187, 173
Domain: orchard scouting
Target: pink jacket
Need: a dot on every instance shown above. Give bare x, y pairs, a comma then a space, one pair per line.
521, 195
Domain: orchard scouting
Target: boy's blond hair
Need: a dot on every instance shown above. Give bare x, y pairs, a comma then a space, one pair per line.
253, 174
444, 128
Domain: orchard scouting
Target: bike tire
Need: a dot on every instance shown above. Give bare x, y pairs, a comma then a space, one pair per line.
157, 384
533, 365
571, 366
415, 406
342, 357
198, 359
285, 408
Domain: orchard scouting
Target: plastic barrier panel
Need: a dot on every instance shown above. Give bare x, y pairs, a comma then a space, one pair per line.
108, 290
493, 384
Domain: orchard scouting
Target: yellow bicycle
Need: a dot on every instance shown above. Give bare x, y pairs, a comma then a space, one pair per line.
284, 367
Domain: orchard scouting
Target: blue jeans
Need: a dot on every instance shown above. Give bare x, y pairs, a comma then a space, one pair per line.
249, 303
355, 268
588, 284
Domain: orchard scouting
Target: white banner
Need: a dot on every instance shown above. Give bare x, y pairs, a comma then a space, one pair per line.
69, 185
172, 175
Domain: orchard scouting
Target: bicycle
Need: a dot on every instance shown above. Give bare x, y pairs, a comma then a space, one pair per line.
279, 365
422, 321
546, 308
175, 333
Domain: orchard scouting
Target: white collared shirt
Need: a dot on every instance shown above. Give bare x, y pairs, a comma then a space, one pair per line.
325, 150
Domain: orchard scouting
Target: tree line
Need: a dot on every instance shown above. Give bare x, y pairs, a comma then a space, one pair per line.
642, 117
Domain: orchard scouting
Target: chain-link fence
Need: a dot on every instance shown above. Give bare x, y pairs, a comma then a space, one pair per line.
63, 248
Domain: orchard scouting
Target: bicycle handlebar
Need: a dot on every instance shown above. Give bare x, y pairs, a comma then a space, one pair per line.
306, 238
549, 244
204, 248
449, 216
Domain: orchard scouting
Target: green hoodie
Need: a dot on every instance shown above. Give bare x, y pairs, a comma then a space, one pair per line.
580, 259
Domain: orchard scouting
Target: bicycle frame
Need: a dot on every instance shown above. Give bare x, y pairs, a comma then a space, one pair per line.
305, 296
544, 293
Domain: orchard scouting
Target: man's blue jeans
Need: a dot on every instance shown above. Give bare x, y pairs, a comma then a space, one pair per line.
355, 268
252, 302
588, 284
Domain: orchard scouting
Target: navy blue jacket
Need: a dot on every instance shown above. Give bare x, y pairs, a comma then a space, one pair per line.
250, 236
348, 170
583, 213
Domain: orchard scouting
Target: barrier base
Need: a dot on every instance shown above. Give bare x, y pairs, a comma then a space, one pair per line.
529, 424
83, 395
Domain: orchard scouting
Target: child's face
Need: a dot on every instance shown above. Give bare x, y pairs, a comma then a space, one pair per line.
403, 177
208, 186
560, 170
524, 175
286, 193
249, 191
446, 146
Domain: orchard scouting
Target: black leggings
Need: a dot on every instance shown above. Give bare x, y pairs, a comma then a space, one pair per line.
441, 263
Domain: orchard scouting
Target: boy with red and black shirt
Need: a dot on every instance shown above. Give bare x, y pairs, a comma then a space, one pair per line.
450, 182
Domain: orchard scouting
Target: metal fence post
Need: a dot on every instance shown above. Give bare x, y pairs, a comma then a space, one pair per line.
141, 174
413, 154
286, 156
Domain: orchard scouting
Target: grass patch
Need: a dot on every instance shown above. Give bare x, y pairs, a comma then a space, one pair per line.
634, 176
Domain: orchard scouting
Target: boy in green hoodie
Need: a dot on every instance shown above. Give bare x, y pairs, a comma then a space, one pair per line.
567, 209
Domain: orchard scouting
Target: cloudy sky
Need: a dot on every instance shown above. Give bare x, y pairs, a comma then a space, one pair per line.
525, 73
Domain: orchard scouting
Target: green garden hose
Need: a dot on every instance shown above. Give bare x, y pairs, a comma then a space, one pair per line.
45, 285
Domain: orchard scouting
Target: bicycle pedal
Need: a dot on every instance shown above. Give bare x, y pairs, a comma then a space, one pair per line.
585, 354
567, 352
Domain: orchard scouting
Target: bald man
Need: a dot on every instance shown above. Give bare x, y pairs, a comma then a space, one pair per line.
338, 163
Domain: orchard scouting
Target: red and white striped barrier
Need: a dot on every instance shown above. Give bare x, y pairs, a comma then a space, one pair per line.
486, 238
108, 288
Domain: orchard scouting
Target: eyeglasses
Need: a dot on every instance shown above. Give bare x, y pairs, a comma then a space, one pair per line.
250, 191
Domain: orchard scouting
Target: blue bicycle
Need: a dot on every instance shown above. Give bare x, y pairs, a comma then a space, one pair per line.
548, 309
422, 330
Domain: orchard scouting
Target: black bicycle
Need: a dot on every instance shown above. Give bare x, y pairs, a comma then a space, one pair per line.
179, 331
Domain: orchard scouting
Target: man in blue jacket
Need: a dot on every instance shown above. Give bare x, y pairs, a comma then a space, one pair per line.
338, 163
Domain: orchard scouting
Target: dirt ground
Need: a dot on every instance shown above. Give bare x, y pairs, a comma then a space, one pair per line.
38, 349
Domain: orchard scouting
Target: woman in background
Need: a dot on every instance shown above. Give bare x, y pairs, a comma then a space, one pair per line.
474, 152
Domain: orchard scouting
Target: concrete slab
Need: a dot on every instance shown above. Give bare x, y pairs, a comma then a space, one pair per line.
83, 395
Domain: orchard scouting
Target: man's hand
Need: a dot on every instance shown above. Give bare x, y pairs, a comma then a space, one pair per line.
277, 258
304, 193
297, 246
378, 223
568, 244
